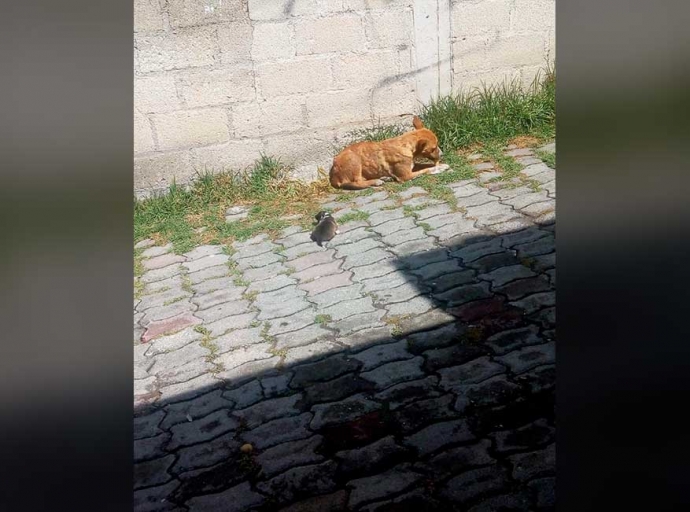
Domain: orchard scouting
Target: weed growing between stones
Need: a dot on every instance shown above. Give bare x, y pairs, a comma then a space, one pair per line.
208, 344
264, 332
138, 272
322, 319
547, 157
395, 324
250, 296
173, 301
353, 216
187, 283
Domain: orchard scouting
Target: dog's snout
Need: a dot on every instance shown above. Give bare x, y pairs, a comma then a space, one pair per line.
440, 153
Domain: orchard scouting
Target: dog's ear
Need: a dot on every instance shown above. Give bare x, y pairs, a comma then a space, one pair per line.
417, 123
422, 145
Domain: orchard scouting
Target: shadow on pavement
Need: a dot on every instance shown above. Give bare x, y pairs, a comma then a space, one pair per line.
448, 407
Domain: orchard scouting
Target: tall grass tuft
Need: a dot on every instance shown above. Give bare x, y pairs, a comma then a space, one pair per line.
494, 113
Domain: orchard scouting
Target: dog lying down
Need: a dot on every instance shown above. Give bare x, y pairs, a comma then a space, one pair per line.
366, 164
326, 228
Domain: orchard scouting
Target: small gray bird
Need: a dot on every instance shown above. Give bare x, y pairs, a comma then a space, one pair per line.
326, 228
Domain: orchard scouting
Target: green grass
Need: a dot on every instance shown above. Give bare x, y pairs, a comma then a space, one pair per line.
264, 332
238, 281
208, 343
410, 211
265, 187
546, 157
236, 274
494, 113
138, 289
395, 324
533, 184
425, 226
277, 352
322, 319
139, 285
187, 284
353, 216
173, 301
511, 168
250, 296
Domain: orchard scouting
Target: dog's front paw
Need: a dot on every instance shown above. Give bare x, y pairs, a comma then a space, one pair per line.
437, 169
378, 183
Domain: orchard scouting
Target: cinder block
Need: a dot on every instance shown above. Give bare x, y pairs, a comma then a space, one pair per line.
337, 33
468, 81
235, 155
301, 147
363, 5
338, 107
519, 50
190, 47
342, 135
479, 18
309, 171
293, 77
159, 170
272, 41
143, 137
389, 28
407, 60
235, 42
394, 99
375, 69
155, 94
267, 117
504, 52
264, 10
187, 13
189, 128
148, 16
529, 73
551, 45
537, 15
218, 86
261, 10
465, 48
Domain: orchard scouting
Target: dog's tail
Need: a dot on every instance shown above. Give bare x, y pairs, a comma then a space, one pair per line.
416, 121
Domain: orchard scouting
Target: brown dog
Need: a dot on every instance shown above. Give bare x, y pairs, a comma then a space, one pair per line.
362, 165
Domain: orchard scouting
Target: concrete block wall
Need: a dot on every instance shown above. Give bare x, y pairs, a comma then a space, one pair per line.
496, 39
218, 82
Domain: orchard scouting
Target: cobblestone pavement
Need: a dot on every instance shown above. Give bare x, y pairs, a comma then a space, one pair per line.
408, 366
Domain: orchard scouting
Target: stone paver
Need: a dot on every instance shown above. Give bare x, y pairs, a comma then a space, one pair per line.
409, 366
217, 271
320, 286
381, 217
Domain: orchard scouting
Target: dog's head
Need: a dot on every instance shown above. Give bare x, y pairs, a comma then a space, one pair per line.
427, 142
322, 215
